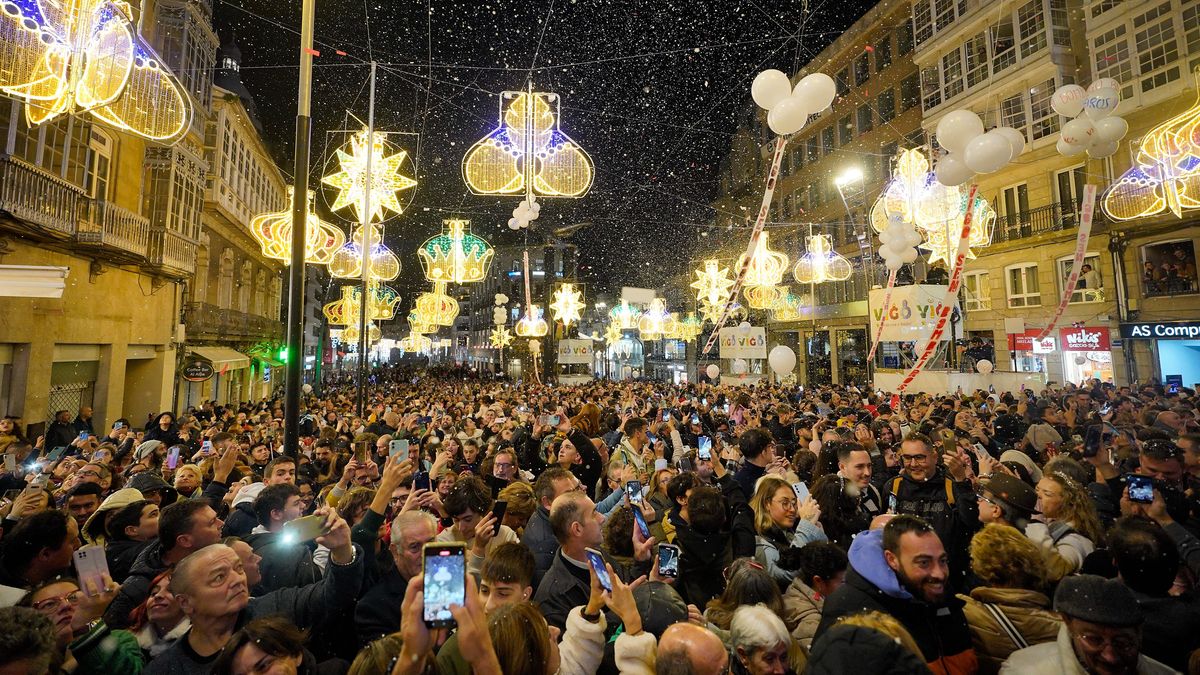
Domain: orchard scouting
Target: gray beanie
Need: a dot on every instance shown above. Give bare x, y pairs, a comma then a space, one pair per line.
1094, 599
145, 449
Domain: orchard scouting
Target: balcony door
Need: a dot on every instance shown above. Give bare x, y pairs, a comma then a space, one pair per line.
99, 167
1068, 192
1012, 210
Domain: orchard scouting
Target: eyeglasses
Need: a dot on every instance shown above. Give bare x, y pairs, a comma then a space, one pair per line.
912, 459
786, 503
51, 604
982, 498
502, 465
1121, 644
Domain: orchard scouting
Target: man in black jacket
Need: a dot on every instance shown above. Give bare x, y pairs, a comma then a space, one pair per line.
903, 570
285, 564
538, 536
378, 612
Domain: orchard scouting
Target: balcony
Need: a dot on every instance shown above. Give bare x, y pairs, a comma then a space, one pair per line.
1054, 217
114, 232
206, 321
171, 254
50, 206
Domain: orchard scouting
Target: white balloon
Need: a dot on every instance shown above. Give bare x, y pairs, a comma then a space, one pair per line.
914, 237
910, 256
1111, 130
984, 366
512, 222
1067, 150
1101, 150
739, 366
1078, 131
1101, 103
769, 88
788, 116
953, 171
1104, 83
712, 371
744, 327
957, 129
306, 388
782, 360
817, 90
1068, 100
988, 153
1015, 138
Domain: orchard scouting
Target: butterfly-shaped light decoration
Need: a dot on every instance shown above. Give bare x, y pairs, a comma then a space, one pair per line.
820, 263
528, 154
456, 255
70, 56
381, 305
1165, 175
713, 283
273, 232
568, 304
440, 309
386, 184
531, 324
500, 337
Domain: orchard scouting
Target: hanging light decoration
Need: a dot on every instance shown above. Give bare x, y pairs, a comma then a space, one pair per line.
437, 307
347, 260
387, 181
350, 334
764, 297
936, 210
381, 305
689, 328
625, 316
456, 255
612, 333
1165, 176
713, 284
528, 154
64, 58
789, 309
531, 324
501, 337
415, 343
420, 324
273, 232
766, 267
655, 322
821, 263
568, 305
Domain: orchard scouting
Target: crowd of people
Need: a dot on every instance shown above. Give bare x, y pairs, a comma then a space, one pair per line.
632, 527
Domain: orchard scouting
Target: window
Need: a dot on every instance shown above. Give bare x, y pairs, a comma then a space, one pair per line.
1090, 285
883, 52
943, 14
1191, 33
845, 131
1060, 30
99, 165
977, 291
827, 143
865, 119
1103, 6
904, 39
1021, 285
977, 59
1012, 113
862, 69
1032, 25
952, 74
1169, 268
1157, 50
1045, 121
931, 88
887, 106
910, 92
843, 82
1068, 188
915, 138
1004, 45
889, 152
1111, 50
922, 20
812, 149
1012, 209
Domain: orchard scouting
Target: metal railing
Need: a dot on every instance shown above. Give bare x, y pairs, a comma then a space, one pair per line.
171, 252
109, 225
36, 197
208, 320
1053, 217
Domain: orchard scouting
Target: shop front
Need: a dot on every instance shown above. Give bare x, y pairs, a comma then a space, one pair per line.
1086, 354
1175, 346
1028, 352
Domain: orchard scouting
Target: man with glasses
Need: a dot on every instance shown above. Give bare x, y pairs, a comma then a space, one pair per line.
1101, 633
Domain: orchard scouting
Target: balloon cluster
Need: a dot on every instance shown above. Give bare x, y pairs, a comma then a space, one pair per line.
499, 314
1095, 128
971, 149
525, 213
787, 108
898, 242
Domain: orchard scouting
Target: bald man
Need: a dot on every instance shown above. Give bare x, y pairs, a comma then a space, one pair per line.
688, 648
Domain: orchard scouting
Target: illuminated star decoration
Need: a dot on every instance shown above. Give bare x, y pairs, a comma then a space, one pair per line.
528, 154
70, 56
273, 232
612, 333
386, 179
1165, 175
456, 255
500, 337
531, 324
936, 210
568, 305
821, 263
713, 283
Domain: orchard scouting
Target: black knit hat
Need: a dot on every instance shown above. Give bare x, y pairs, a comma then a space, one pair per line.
1013, 492
1094, 599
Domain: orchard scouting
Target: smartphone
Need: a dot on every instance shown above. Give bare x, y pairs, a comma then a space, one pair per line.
640, 519
801, 491
499, 507
10, 462
1093, 440
1173, 388
362, 452
949, 441
891, 503
704, 448
206, 447
704, 401
399, 447
91, 565
56, 453
695, 419
445, 583
652, 437
1141, 488
596, 560
173, 457
304, 528
552, 420
668, 560
1104, 409
421, 481
83, 435
666, 416
980, 451
687, 464
118, 425
633, 490
991, 389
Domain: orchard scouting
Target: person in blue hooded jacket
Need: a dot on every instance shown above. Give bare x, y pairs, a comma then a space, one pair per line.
903, 570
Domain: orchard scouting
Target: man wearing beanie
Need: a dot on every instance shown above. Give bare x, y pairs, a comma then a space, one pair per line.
1101, 634
1006, 500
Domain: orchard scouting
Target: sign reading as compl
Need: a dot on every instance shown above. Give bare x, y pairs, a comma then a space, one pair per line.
1162, 330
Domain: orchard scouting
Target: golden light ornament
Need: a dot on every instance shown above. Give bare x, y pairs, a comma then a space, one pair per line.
415, 343
625, 316
568, 305
1165, 176
936, 210
689, 327
528, 154
347, 260
500, 337
439, 308
612, 333
531, 324
820, 263
420, 324
350, 334
764, 297
766, 267
655, 322
789, 309
381, 305
64, 57
456, 255
713, 284
387, 181
710, 312
273, 232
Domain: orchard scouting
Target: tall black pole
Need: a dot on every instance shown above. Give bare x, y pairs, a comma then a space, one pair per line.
364, 338
295, 318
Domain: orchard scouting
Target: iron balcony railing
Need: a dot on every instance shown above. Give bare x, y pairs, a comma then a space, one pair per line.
114, 229
51, 204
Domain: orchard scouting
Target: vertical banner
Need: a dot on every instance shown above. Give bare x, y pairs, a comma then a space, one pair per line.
960, 260
887, 301
1088, 209
763, 209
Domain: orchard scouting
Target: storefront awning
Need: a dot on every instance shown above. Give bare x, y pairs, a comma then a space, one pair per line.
222, 358
270, 362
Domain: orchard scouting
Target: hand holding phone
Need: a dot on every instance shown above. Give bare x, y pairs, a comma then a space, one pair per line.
1141, 488
445, 583
704, 448
640, 519
801, 491
499, 508
91, 566
596, 561
398, 450
305, 528
668, 560
633, 491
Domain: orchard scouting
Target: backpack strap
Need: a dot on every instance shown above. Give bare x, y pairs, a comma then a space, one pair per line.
895, 485
1059, 529
1006, 625
949, 491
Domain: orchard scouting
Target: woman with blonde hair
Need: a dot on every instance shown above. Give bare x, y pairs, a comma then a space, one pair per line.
781, 523
1070, 529
1010, 611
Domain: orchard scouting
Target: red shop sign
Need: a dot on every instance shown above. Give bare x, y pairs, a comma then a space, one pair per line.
1024, 342
1085, 339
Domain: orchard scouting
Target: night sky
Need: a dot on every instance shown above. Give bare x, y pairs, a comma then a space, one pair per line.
652, 90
